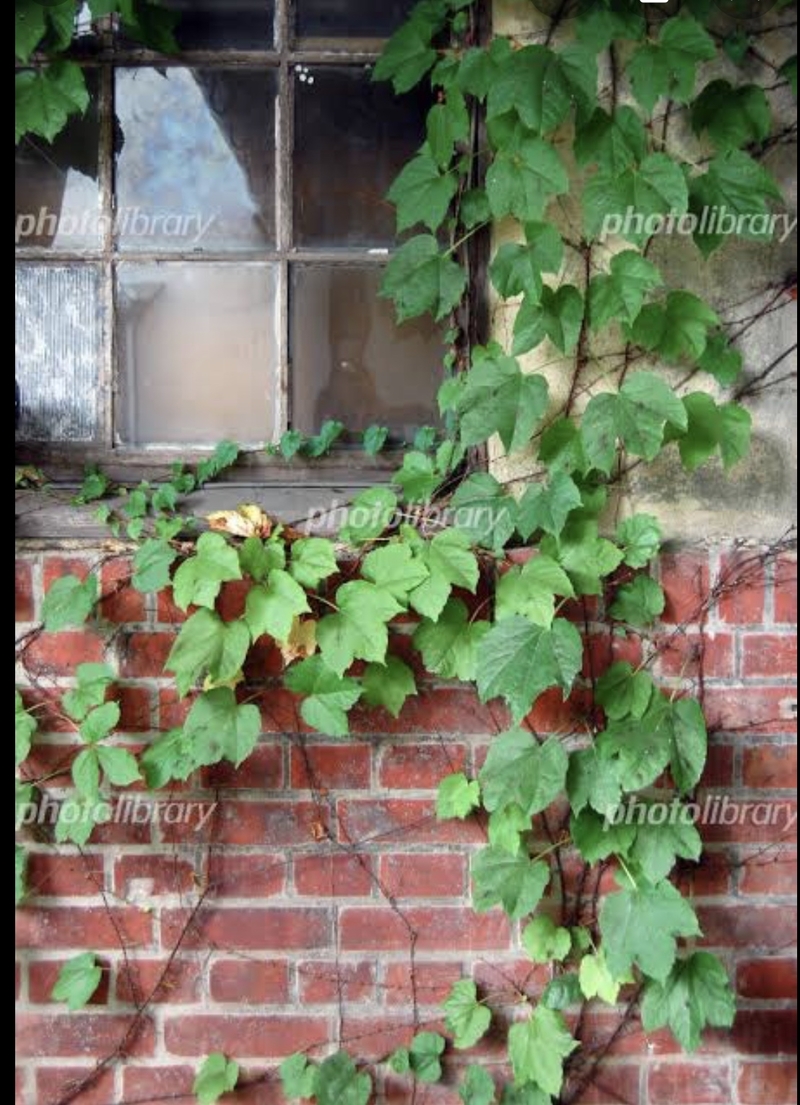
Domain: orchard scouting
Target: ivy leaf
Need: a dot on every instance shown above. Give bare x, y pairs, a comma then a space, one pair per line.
740, 185
586, 558
639, 602
374, 440
639, 926
620, 293
424, 1054
562, 991
44, 99
170, 756
657, 847
338, 1082
560, 447
199, 579
521, 660
457, 797
531, 591
395, 569
77, 818
732, 117
447, 123
422, 193
86, 773
421, 278
358, 631
271, 608
313, 560
196, 650
544, 941
788, 71
418, 477
517, 883
656, 187
507, 825
637, 415
370, 513
696, 993
598, 837
484, 511
613, 142
558, 315
521, 182
408, 55
676, 329
499, 398
119, 765
297, 1076
548, 507
479, 67
467, 1018
669, 734
623, 692
721, 360
538, 1047
25, 725
596, 981
688, 739
593, 781
477, 1087
670, 67
389, 685
517, 269
726, 428
77, 981
450, 645
598, 27
328, 695
640, 539
221, 729
152, 562
69, 602
531, 83
520, 771
217, 1076
100, 722
29, 29
451, 563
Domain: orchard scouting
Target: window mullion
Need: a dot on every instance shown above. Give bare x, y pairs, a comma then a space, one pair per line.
284, 194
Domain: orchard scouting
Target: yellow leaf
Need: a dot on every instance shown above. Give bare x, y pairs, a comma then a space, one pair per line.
302, 641
248, 521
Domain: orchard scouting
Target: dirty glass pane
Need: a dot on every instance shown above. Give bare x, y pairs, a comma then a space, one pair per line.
352, 138
350, 18
224, 24
58, 350
56, 193
351, 361
197, 353
195, 159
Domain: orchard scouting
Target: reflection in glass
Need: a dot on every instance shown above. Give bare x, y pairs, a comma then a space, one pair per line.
224, 24
351, 361
57, 199
198, 353
350, 18
195, 159
352, 138
58, 343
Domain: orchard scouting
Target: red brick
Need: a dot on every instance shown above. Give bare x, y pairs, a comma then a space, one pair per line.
24, 606
689, 655
159, 981
709, 878
769, 655
232, 598
246, 876
786, 590
718, 771
172, 709
269, 824
47, 708
772, 767
434, 982
57, 566
52, 654
379, 1035
262, 1036
433, 711
769, 821
554, 714
768, 979
145, 654
334, 875
423, 876
43, 975
326, 981
400, 822
263, 661
770, 872
770, 1032
684, 1083
605, 648
166, 610
65, 927
123, 603
739, 926
768, 1083
55, 1083
440, 929
751, 709
70, 1035
420, 766
262, 770
19, 1086
279, 928
151, 1083
507, 979
686, 582
324, 767
615, 1083
743, 577
249, 982
54, 876
135, 704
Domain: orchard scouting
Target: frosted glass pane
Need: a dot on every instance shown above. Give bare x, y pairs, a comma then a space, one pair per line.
58, 347
352, 362
198, 353
195, 159
224, 24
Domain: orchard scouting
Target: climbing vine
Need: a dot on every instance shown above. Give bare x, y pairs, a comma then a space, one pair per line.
569, 135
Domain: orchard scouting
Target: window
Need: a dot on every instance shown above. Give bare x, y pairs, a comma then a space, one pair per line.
199, 256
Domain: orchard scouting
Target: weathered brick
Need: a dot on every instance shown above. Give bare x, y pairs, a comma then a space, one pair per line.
743, 579
68, 1035
278, 928
423, 876
420, 766
767, 979
262, 1036
773, 767
334, 875
686, 582
769, 655
768, 1083
53, 654
68, 927
326, 980
328, 767
684, 1083
121, 603
24, 605
144, 654
786, 590
249, 982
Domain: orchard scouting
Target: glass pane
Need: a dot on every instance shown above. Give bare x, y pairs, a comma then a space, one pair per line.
198, 353
352, 362
58, 349
57, 199
195, 159
352, 138
350, 18
224, 24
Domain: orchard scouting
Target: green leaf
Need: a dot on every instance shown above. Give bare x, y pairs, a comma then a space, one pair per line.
217, 1076
522, 182
597, 27
358, 631
788, 71
477, 1087
199, 579
220, 729
20, 874
225, 455
593, 781
374, 440
558, 315
451, 563
44, 99
521, 660
447, 123
697, 993
726, 428
531, 591
291, 444
30, 26
544, 941
69, 602
560, 447
328, 696
86, 773
425, 1054
425, 438
688, 743
539, 86
400, 1061
422, 193
613, 142
669, 734
25, 725
640, 538
639, 602
297, 1076
457, 797
271, 608
586, 558
732, 117
741, 186
639, 926
621, 293
421, 278
658, 845
152, 562
389, 685
197, 649
670, 67
396, 570
623, 692
338, 1082
484, 511
677, 329
119, 765
418, 477
450, 646
548, 507
258, 558
520, 771
517, 269
467, 1018
321, 444
637, 415
370, 513
499, 398
561, 992
95, 483
408, 55
100, 722
596, 981
517, 883
721, 360
170, 756
598, 838
538, 1047
656, 187
77, 981
77, 818
313, 560
507, 827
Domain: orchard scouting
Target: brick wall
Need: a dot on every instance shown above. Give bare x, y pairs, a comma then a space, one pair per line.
323, 902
